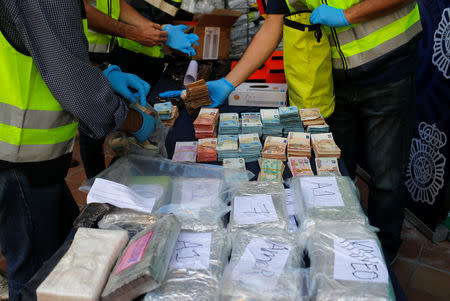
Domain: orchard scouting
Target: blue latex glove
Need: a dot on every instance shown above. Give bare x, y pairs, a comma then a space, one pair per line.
175, 93
330, 16
122, 83
219, 91
147, 127
179, 40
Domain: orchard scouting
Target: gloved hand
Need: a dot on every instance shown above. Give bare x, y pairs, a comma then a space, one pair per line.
330, 16
179, 40
147, 127
219, 91
121, 83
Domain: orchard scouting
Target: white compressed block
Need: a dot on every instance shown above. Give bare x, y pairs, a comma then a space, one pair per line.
83, 271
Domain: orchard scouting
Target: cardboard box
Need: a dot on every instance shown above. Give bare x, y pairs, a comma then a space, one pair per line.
214, 31
259, 95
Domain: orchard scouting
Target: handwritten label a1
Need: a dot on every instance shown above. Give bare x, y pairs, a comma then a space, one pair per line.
321, 192
104, 191
192, 251
254, 209
359, 260
261, 264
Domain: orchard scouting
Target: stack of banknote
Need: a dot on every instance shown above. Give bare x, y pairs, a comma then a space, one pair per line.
300, 166
173, 117
185, 151
270, 170
164, 110
249, 147
275, 148
324, 145
205, 124
317, 129
290, 119
206, 151
271, 123
251, 123
327, 167
227, 147
298, 145
311, 116
237, 163
229, 124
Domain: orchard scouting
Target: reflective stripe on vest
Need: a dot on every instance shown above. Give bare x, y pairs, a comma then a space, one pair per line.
33, 125
155, 51
99, 42
359, 44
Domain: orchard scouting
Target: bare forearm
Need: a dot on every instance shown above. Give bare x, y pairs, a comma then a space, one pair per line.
103, 23
259, 50
371, 9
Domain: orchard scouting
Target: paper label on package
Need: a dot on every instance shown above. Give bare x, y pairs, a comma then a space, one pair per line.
211, 43
148, 190
261, 264
192, 251
359, 260
134, 253
200, 193
321, 192
289, 201
105, 191
254, 209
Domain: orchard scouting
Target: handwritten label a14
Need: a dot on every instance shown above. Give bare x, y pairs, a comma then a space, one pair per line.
359, 260
254, 209
321, 192
192, 251
261, 264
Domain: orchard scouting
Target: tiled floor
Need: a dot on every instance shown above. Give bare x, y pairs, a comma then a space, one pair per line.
423, 268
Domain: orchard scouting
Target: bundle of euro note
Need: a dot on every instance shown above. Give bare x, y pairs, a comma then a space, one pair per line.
300, 166
317, 129
271, 123
290, 119
227, 147
205, 124
270, 170
275, 148
229, 124
237, 163
327, 167
164, 110
298, 145
175, 114
206, 151
251, 123
324, 145
311, 116
185, 151
249, 147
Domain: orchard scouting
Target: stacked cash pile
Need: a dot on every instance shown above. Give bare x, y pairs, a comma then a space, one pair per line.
206, 151
251, 123
271, 123
327, 167
205, 125
175, 114
298, 145
164, 110
227, 147
311, 116
229, 124
249, 147
290, 119
324, 145
237, 163
270, 170
185, 151
300, 166
195, 96
275, 148
317, 129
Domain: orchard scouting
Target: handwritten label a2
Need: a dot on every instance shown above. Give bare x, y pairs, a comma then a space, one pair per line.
261, 264
321, 192
359, 260
254, 209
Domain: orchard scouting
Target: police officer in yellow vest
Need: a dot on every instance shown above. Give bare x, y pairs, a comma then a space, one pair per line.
373, 47
49, 88
119, 34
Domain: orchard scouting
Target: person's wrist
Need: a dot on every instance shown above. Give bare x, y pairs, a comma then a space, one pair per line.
346, 17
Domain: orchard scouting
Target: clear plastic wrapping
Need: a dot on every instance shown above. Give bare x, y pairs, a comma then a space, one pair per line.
143, 264
259, 206
127, 219
346, 263
196, 267
263, 267
323, 199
